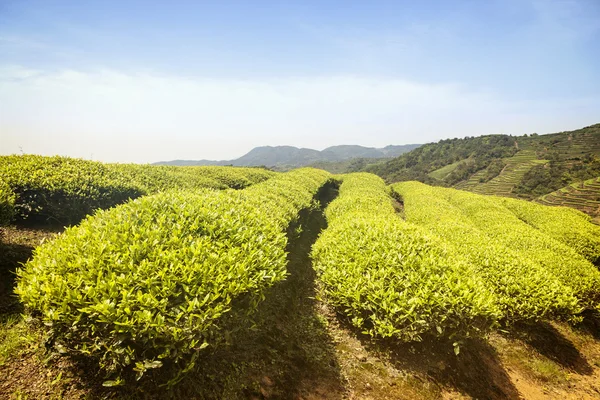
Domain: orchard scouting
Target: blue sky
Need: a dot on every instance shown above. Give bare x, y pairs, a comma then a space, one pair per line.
142, 81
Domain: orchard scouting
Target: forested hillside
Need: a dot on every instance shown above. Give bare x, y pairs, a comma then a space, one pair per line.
460, 158
525, 166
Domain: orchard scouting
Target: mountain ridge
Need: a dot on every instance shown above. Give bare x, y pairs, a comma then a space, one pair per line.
291, 156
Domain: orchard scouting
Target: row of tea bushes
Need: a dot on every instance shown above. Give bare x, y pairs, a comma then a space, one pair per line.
524, 289
505, 228
541, 274
565, 224
64, 190
156, 178
155, 280
392, 278
233, 177
291, 192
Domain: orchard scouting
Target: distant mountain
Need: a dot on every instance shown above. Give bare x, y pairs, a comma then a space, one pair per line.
282, 157
272, 156
345, 152
395, 150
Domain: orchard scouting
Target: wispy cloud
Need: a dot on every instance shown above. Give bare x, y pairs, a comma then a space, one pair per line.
143, 117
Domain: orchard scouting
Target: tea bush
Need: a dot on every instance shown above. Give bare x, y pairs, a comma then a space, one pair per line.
154, 281
390, 277
157, 178
505, 228
64, 190
565, 224
7, 203
524, 289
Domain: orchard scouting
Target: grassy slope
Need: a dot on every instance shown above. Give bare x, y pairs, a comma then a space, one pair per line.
566, 149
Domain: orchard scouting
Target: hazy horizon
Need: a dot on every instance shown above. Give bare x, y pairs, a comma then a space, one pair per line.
136, 81
91, 157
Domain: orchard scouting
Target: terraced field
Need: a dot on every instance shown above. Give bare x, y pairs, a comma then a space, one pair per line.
472, 182
584, 196
577, 143
502, 185
568, 150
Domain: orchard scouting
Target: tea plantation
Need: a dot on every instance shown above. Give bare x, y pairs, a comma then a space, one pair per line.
160, 267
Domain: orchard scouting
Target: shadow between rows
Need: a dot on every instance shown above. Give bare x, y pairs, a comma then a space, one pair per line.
283, 352
549, 342
11, 255
476, 371
590, 323
16, 247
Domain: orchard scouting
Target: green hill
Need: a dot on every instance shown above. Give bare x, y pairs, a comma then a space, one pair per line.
461, 158
526, 166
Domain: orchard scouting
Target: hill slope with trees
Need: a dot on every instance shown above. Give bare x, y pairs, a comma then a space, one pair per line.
526, 166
